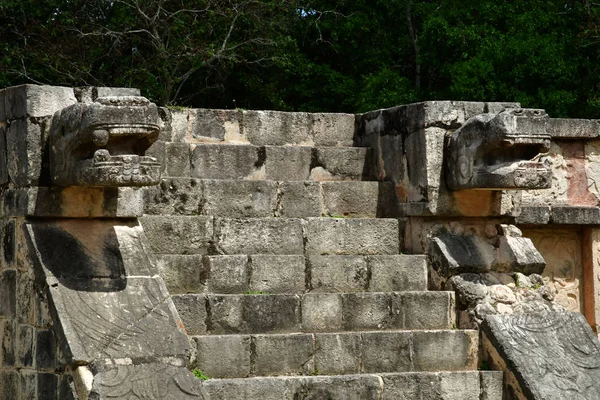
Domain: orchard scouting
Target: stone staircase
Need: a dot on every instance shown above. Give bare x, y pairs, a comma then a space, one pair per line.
283, 256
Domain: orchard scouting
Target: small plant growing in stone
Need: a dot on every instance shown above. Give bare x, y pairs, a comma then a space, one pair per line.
200, 375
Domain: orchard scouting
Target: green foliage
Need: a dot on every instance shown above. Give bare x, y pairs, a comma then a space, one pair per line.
200, 375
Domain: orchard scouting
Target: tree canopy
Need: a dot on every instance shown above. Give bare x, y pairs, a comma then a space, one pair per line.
321, 55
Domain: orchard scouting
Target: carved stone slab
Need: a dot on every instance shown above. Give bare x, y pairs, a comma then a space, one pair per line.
552, 355
146, 382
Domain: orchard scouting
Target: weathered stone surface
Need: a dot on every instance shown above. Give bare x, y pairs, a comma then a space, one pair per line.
277, 128
83, 136
183, 196
36, 100
25, 346
45, 350
9, 385
259, 236
183, 273
285, 163
226, 161
265, 388
452, 254
566, 128
343, 273
386, 352
24, 147
223, 356
575, 215
146, 381
277, 273
178, 158
337, 353
366, 311
449, 350
8, 342
522, 129
351, 199
299, 199
332, 129
423, 310
192, 310
533, 215
28, 383
228, 274
179, 234
551, 355
239, 199
322, 312
396, 273
283, 354
339, 164
8, 291
352, 236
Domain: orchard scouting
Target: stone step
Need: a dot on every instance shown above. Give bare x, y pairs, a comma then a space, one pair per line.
463, 385
241, 356
258, 127
314, 312
265, 198
282, 236
277, 163
237, 274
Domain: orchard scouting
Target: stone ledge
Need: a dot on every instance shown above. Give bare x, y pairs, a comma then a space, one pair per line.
561, 215
566, 128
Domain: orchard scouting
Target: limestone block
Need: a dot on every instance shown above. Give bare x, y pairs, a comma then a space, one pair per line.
496, 107
451, 254
322, 312
352, 236
4, 162
228, 274
36, 101
283, 354
45, 350
46, 383
226, 313
103, 91
155, 381
555, 342
8, 291
223, 356
299, 199
179, 122
226, 161
491, 385
277, 273
414, 385
386, 352
28, 384
267, 313
276, 388
332, 129
9, 385
449, 350
25, 298
178, 234
366, 311
338, 164
534, 215
239, 199
347, 387
214, 125
259, 236
423, 310
183, 196
567, 128
351, 199
287, 163
183, 273
9, 243
343, 273
192, 310
24, 143
2, 106
277, 128
8, 342
25, 340
575, 215
178, 159
396, 273
337, 353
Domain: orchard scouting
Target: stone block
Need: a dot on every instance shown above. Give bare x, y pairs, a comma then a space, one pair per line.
9, 385
322, 312
277, 273
351, 199
277, 128
4, 177
533, 215
28, 385
103, 91
343, 273
397, 273
445, 350
337, 353
346, 387
36, 100
259, 236
264, 388
8, 243
183, 273
271, 313
223, 356
8, 291
491, 383
25, 346
2, 105
330, 129
179, 121
8, 342
451, 254
496, 107
352, 236
299, 199
369, 311
225, 314
226, 161
24, 143
339, 164
210, 125
408, 386
192, 311
179, 234
287, 163
386, 352
179, 196
575, 215
283, 354
239, 199
423, 310
177, 159
45, 350
553, 344
228, 274
567, 128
